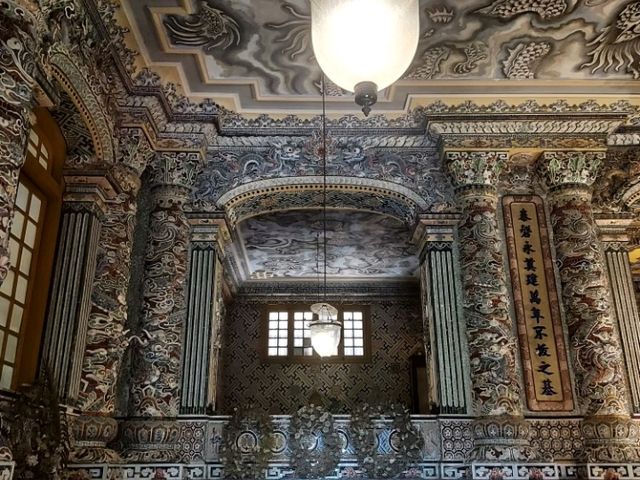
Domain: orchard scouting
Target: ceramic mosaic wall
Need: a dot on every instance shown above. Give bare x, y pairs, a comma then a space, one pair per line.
281, 389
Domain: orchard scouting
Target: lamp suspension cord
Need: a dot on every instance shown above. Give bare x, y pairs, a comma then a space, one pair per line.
318, 265
324, 182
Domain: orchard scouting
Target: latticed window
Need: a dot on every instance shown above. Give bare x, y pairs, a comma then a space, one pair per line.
288, 337
32, 237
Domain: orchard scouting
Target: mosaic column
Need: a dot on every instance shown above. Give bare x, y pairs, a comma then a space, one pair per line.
17, 70
205, 309
603, 398
500, 433
107, 340
442, 314
156, 376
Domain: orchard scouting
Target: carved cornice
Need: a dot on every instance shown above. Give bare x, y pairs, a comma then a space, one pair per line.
408, 124
475, 168
570, 168
306, 192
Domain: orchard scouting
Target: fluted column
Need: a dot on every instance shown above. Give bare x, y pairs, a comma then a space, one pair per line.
595, 344
17, 69
500, 433
204, 313
70, 298
156, 364
106, 336
615, 239
446, 343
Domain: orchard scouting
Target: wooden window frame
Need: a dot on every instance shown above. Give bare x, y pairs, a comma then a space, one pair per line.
315, 359
50, 183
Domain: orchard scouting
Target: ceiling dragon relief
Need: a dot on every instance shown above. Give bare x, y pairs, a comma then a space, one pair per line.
360, 245
259, 51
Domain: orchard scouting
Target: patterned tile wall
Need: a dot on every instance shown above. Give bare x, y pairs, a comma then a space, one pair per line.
396, 334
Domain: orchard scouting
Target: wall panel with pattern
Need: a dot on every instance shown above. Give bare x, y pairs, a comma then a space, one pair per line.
396, 334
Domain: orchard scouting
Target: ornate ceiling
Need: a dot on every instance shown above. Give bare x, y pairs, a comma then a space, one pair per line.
360, 245
256, 55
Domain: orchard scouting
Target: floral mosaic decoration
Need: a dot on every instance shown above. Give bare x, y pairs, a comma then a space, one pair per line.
247, 447
315, 445
404, 442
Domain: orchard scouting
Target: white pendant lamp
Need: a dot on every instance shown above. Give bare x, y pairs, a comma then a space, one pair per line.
364, 46
326, 330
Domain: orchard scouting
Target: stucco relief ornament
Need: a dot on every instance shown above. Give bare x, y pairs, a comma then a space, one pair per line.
247, 446
315, 445
618, 44
404, 444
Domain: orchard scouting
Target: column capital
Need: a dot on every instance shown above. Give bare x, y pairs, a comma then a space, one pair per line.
95, 190
615, 229
175, 169
570, 168
135, 150
475, 168
210, 228
435, 229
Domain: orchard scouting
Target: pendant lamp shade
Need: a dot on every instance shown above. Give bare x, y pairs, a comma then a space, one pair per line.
326, 330
364, 41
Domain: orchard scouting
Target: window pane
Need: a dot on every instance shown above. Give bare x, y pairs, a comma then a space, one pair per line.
4, 311
25, 261
13, 250
34, 208
273, 315
10, 350
22, 197
16, 318
7, 285
7, 375
21, 289
30, 234
18, 223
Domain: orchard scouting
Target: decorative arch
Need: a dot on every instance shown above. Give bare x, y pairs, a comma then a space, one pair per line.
299, 193
73, 76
